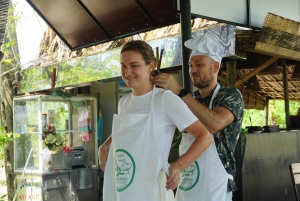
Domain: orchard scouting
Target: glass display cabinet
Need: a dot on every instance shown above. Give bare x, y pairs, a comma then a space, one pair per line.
74, 171
33, 114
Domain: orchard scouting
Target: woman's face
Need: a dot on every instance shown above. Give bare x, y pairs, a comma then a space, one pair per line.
135, 72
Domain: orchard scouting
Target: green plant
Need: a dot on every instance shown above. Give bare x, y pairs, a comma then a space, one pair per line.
9, 74
11, 55
3, 197
254, 117
5, 137
2, 183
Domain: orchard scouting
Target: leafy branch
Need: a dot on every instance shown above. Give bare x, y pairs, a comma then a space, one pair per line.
5, 137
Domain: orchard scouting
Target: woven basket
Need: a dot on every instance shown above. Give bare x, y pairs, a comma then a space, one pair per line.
279, 37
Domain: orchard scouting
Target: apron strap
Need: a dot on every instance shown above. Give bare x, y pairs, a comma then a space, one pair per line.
166, 165
210, 107
214, 95
152, 101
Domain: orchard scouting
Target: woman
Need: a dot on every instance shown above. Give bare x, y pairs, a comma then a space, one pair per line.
142, 133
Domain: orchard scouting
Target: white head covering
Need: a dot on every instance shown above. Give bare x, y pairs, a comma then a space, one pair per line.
216, 58
216, 42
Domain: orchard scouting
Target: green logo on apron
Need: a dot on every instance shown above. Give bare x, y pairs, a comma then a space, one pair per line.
124, 169
190, 176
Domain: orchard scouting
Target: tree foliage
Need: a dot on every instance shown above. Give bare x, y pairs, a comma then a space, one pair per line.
9, 85
97, 67
5, 137
276, 114
12, 56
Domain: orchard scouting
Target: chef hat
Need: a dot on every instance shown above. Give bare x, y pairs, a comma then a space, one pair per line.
214, 41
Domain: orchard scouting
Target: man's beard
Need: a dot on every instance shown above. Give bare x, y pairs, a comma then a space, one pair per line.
202, 84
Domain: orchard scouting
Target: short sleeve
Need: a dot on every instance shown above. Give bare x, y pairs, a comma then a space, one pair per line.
177, 112
231, 99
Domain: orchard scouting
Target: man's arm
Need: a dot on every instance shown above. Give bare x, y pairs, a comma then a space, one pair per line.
214, 120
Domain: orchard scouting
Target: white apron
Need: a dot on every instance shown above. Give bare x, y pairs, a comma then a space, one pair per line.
133, 171
205, 179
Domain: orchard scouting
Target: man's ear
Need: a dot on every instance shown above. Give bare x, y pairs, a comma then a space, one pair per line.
216, 67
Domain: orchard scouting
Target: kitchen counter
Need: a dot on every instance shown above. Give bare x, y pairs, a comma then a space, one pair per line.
78, 184
265, 171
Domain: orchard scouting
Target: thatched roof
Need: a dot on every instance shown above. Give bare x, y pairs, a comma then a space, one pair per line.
269, 80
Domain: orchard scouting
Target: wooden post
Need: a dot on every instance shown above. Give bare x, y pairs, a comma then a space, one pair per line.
231, 72
53, 78
267, 112
286, 95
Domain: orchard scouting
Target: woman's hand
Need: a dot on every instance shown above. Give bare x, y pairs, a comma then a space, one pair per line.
102, 155
174, 178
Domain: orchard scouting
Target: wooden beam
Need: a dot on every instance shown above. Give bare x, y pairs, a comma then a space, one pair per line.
255, 71
286, 94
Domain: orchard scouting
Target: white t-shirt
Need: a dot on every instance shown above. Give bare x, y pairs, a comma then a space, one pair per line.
169, 112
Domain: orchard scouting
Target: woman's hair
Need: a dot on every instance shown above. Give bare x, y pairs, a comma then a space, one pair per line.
142, 47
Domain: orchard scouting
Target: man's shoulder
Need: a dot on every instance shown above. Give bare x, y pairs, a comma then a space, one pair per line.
229, 97
230, 91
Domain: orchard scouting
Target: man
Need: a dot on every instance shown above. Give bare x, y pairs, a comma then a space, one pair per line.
224, 117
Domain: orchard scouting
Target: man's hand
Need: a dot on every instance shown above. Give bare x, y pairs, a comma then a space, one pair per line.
102, 154
166, 81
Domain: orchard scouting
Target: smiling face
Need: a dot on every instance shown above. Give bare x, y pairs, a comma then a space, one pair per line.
203, 71
135, 71
137, 63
